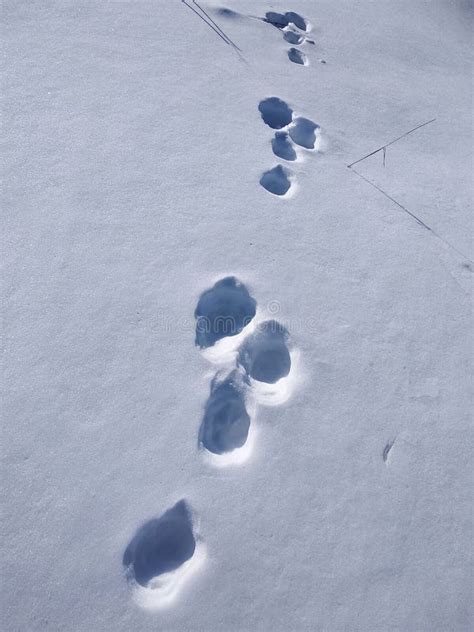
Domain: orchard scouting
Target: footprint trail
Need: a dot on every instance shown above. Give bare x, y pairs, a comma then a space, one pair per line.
299, 130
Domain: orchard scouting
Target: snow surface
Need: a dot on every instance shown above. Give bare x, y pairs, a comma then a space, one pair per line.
132, 161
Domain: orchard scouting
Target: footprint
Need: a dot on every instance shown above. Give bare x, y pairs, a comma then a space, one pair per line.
276, 180
228, 13
159, 557
275, 112
281, 20
222, 311
265, 355
297, 20
304, 132
297, 57
276, 19
293, 38
226, 422
282, 146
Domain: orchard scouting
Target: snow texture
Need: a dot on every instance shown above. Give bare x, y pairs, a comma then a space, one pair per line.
136, 138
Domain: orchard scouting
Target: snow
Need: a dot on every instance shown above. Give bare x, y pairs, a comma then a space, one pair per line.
134, 149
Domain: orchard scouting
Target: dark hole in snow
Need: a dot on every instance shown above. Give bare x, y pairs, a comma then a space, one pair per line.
296, 19
224, 310
276, 180
277, 19
161, 545
297, 56
264, 355
292, 37
303, 132
280, 20
282, 146
226, 423
275, 112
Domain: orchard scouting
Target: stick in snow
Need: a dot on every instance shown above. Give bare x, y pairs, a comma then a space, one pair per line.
217, 30
417, 219
217, 26
384, 147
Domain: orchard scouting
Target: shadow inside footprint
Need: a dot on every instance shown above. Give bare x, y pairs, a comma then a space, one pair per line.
304, 132
264, 354
226, 423
223, 311
282, 146
161, 545
297, 56
276, 180
275, 112
293, 38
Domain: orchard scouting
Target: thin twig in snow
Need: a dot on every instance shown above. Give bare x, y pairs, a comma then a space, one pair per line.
384, 147
223, 38
417, 219
217, 26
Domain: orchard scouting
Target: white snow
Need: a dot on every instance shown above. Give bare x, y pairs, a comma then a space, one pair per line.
132, 158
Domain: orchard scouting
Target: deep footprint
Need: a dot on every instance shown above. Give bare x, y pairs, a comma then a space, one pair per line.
226, 422
280, 20
304, 132
293, 38
223, 311
276, 19
160, 546
297, 57
297, 20
276, 180
275, 112
282, 146
264, 355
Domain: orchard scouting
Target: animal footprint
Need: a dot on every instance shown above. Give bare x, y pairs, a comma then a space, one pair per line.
287, 22
282, 146
259, 370
293, 38
223, 311
276, 180
280, 20
275, 112
265, 355
297, 57
226, 422
293, 26
161, 556
304, 133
